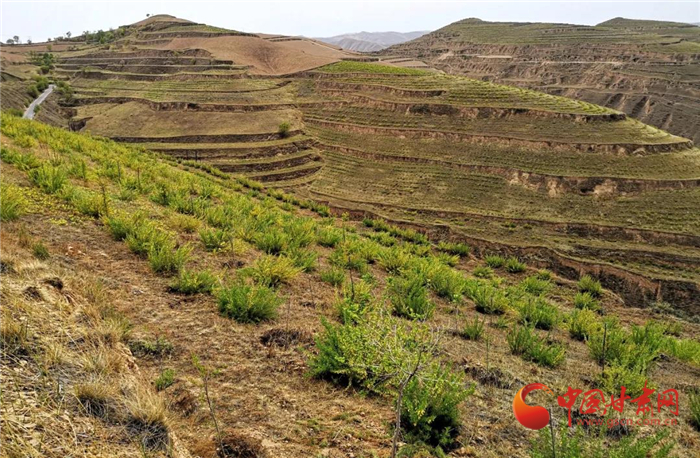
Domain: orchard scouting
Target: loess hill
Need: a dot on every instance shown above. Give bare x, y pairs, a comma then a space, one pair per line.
574, 186
234, 244
647, 69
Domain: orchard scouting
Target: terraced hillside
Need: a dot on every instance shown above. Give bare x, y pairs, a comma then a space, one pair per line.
647, 69
565, 183
183, 312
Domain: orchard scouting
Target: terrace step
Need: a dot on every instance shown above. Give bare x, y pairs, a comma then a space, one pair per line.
203, 151
224, 138
276, 164
288, 174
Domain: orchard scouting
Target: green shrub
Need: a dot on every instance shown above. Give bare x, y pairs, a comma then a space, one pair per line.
166, 258
343, 257
143, 236
513, 265
495, 261
12, 204
394, 260
483, 272
329, 237
248, 304
283, 129
271, 241
40, 251
165, 379
447, 283
459, 249
301, 232
272, 271
334, 276
191, 282
86, 202
523, 341
382, 238
583, 324
588, 284
694, 404
474, 329
303, 258
120, 225
430, 407
409, 298
544, 274
535, 285
215, 239
488, 299
356, 302
48, 178
449, 260
633, 351
539, 313
686, 350
585, 301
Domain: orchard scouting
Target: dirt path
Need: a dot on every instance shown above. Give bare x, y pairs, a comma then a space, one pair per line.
29, 113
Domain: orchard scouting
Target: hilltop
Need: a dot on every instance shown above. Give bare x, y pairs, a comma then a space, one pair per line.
371, 41
647, 69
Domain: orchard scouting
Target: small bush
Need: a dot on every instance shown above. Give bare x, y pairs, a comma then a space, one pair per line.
248, 304
394, 260
409, 298
191, 282
483, 272
334, 276
495, 261
460, 249
539, 313
215, 239
159, 347
329, 237
523, 341
283, 129
695, 409
586, 301
583, 324
48, 178
120, 225
143, 236
447, 283
535, 286
271, 241
165, 379
686, 350
489, 299
544, 274
588, 284
166, 258
12, 202
95, 397
357, 301
474, 329
40, 251
430, 407
303, 258
449, 260
184, 223
272, 271
513, 265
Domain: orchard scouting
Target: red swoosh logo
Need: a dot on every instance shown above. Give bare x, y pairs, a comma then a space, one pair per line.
532, 417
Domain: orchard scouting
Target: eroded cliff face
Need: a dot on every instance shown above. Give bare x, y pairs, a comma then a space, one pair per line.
654, 76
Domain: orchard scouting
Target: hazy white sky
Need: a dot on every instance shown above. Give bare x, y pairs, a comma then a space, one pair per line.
39, 20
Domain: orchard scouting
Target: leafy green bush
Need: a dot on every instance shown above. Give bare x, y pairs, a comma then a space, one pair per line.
686, 350
86, 202
513, 265
191, 282
583, 324
334, 276
586, 301
409, 298
483, 272
535, 285
449, 260
539, 313
142, 236
303, 258
495, 261
523, 341
48, 178
165, 379
272, 241
544, 274
488, 299
694, 405
447, 283
215, 239
459, 249
588, 284
430, 407
12, 202
356, 302
248, 304
394, 260
474, 329
283, 129
272, 271
167, 258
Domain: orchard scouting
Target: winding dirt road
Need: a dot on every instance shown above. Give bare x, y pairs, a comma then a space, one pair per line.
29, 113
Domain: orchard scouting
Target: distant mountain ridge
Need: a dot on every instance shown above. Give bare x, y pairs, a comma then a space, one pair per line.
371, 41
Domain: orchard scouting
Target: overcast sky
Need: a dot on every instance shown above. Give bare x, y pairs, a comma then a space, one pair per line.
39, 20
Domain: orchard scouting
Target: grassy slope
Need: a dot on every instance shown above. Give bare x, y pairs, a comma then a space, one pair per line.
261, 391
